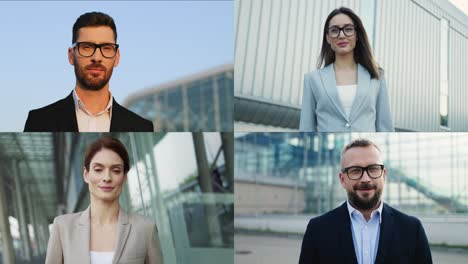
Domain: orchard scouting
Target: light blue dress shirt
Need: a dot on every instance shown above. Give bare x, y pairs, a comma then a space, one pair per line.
365, 234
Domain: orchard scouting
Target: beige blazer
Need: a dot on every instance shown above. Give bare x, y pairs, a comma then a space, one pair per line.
137, 240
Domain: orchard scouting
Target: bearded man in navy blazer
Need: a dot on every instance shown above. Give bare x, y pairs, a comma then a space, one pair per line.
364, 229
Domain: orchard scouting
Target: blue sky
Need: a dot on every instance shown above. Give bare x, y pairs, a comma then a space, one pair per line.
159, 41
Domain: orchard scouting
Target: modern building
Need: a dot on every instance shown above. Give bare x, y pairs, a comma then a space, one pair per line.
421, 44
182, 181
268, 195
200, 102
426, 172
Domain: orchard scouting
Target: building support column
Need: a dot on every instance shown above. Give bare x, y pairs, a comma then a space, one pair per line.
8, 253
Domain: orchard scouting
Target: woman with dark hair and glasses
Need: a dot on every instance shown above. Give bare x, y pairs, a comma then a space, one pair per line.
104, 233
349, 93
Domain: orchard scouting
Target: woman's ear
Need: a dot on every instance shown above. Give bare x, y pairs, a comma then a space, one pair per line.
85, 175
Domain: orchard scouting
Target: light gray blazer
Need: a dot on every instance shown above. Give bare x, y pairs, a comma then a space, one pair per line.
137, 241
322, 110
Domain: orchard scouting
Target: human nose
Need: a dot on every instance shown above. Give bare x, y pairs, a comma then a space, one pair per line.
97, 56
341, 34
365, 176
107, 176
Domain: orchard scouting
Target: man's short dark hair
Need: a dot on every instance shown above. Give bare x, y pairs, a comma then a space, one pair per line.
93, 19
360, 142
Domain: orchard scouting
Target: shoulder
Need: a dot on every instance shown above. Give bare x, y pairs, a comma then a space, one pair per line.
402, 218
67, 219
141, 221
130, 116
317, 72
51, 107
313, 78
327, 219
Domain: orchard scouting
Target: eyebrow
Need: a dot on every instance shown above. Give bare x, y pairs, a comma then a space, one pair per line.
102, 165
348, 24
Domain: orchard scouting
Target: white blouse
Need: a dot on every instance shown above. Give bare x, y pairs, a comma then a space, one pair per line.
347, 94
101, 257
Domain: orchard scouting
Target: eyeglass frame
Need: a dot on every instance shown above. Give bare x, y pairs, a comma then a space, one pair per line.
96, 46
382, 167
341, 29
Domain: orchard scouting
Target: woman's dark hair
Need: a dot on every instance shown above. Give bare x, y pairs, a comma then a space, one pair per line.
107, 143
362, 51
93, 19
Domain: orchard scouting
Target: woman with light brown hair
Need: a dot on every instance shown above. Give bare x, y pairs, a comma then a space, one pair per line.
104, 233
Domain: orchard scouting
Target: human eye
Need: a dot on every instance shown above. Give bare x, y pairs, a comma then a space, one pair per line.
354, 170
87, 46
349, 29
108, 47
333, 30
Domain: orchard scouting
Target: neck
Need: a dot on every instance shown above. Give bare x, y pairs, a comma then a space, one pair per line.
345, 62
94, 101
104, 213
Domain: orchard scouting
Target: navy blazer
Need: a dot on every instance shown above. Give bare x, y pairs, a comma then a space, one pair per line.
61, 117
322, 110
328, 239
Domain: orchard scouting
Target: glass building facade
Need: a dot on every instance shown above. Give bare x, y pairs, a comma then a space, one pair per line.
182, 181
426, 172
202, 102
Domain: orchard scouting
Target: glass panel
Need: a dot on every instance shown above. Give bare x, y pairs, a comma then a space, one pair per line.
444, 89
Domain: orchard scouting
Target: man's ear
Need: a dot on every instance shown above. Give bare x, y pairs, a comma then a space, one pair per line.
71, 59
342, 175
117, 58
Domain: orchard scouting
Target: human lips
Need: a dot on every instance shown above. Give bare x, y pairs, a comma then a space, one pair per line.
343, 43
95, 69
106, 188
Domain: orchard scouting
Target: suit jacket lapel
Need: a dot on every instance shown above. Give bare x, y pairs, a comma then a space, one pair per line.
66, 119
362, 92
116, 122
329, 84
83, 236
123, 231
386, 233
346, 237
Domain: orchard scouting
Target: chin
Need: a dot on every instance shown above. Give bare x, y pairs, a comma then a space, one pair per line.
342, 52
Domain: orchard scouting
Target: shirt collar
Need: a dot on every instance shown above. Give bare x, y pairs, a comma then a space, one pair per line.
80, 105
351, 209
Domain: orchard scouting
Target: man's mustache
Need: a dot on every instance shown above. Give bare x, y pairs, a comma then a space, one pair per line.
95, 66
364, 186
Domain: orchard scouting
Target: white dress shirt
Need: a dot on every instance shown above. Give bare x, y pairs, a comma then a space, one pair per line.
101, 257
365, 233
88, 122
347, 94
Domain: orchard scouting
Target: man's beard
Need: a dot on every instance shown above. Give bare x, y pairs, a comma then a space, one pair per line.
92, 84
366, 203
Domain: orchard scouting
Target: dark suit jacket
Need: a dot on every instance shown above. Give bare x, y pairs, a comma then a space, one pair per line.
61, 117
328, 239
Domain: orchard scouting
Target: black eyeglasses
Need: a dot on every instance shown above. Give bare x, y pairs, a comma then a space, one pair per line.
348, 30
374, 171
87, 49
